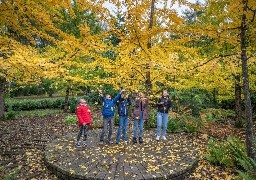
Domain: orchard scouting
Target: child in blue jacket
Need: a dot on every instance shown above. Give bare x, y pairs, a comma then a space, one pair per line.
108, 111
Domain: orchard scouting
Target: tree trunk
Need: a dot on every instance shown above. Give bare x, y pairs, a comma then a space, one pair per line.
238, 92
66, 100
2, 85
148, 82
215, 93
247, 100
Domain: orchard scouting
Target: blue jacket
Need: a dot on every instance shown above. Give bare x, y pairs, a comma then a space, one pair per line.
108, 108
122, 105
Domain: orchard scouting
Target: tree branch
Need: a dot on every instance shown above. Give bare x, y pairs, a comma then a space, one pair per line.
254, 13
209, 60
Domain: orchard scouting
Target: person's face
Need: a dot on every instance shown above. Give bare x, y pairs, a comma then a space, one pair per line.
83, 102
108, 96
165, 93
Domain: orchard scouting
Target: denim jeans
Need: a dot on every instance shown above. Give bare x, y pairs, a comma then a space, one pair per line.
82, 130
138, 122
106, 121
122, 126
162, 121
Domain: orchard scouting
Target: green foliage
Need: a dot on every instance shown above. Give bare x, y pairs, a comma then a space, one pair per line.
12, 175
227, 104
73, 103
2, 168
175, 126
10, 115
249, 166
152, 121
193, 99
26, 90
185, 123
116, 119
71, 119
214, 115
228, 152
39, 113
31, 104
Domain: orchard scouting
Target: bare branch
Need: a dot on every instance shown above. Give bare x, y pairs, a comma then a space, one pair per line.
209, 60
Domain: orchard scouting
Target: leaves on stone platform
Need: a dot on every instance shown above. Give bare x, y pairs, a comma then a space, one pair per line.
25, 156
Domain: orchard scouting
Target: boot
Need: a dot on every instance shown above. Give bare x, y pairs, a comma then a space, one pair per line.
134, 140
140, 140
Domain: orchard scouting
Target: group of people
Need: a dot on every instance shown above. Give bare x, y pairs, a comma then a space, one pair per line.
139, 114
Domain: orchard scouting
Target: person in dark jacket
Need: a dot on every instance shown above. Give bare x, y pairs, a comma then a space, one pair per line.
123, 103
164, 106
140, 113
108, 111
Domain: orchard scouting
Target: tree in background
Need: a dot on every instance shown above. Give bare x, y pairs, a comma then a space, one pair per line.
229, 28
25, 29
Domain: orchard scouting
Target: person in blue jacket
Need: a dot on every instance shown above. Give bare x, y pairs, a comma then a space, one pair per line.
108, 110
123, 103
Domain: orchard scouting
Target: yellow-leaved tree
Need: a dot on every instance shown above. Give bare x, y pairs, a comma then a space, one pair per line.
149, 38
227, 29
33, 46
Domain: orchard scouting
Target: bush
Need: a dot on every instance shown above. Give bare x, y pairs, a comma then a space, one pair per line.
193, 100
249, 169
10, 115
43, 103
152, 121
185, 123
226, 152
214, 115
71, 119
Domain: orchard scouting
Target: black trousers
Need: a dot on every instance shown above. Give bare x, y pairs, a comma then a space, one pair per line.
82, 130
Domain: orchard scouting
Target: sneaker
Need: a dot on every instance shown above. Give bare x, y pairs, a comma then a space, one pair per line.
84, 144
140, 140
101, 143
78, 144
164, 138
134, 140
157, 138
110, 142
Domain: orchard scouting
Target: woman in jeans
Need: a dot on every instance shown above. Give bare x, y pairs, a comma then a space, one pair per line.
164, 106
140, 113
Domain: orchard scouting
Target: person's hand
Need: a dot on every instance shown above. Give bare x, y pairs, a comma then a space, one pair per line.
84, 124
100, 91
161, 103
127, 95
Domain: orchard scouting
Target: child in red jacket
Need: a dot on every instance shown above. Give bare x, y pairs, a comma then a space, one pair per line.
84, 120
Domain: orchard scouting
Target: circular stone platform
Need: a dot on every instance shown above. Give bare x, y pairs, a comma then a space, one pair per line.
171, 159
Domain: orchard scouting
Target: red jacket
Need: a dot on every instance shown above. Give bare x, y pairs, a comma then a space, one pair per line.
84, 115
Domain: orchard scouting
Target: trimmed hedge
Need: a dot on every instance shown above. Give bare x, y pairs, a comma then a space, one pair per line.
44, 103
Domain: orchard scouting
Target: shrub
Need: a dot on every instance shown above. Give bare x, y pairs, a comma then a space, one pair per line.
152, 121
185, 123
43, 103
216, 115
71, 119
193, 99
10, 115
249, 169
227, 152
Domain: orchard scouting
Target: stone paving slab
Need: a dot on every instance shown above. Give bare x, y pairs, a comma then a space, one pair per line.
171, 159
